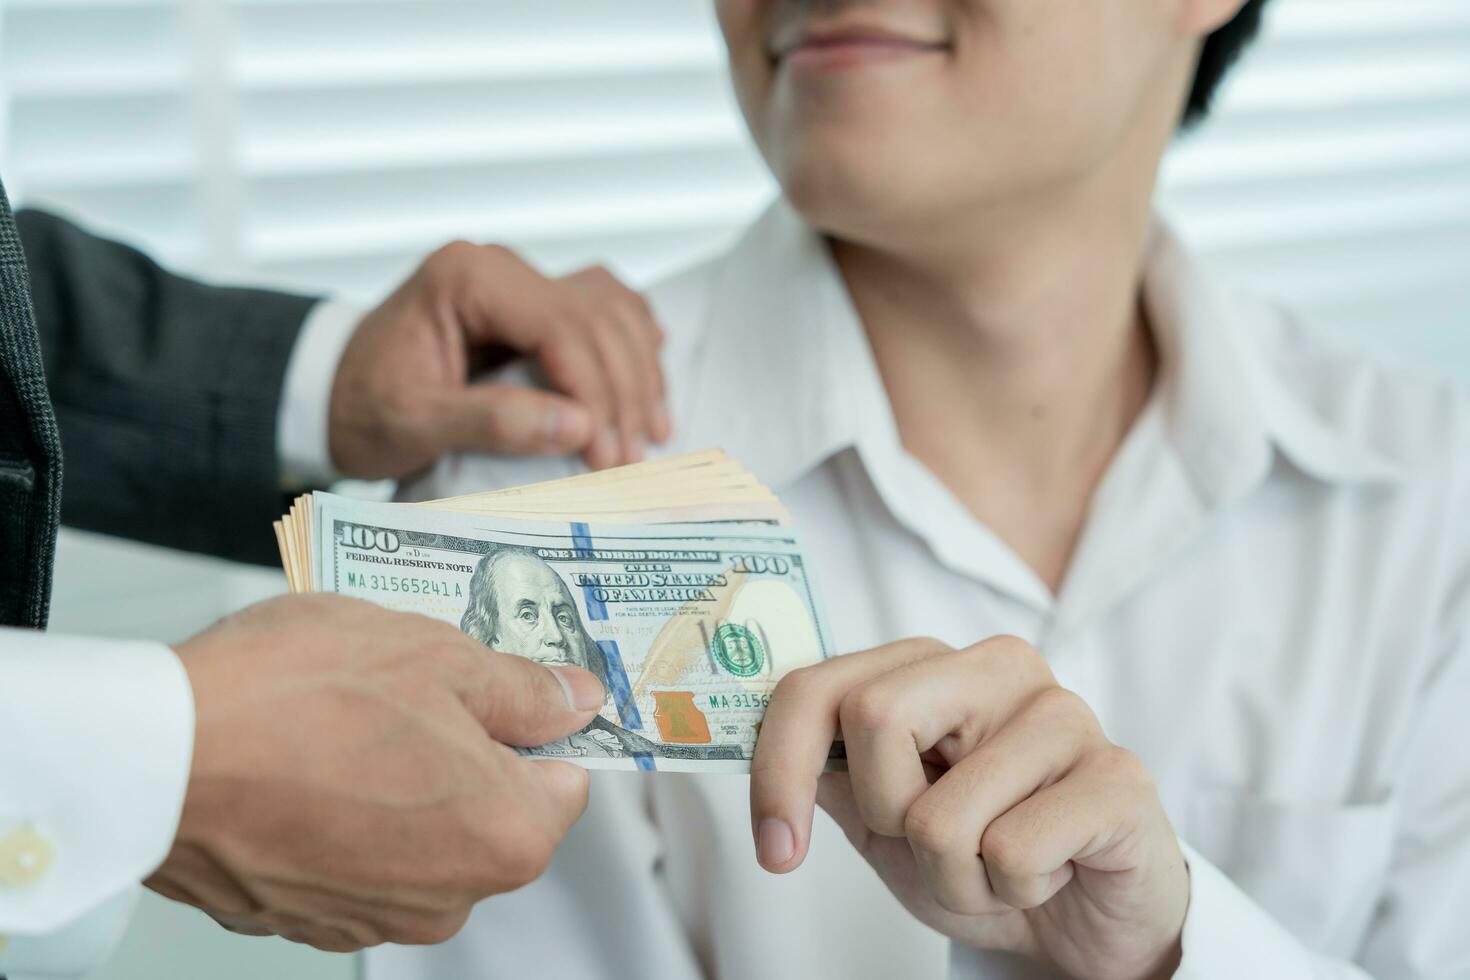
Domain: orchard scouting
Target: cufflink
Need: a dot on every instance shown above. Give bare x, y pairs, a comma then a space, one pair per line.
25, 857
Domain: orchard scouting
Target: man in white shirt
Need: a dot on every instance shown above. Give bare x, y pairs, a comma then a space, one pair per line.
999, 397
315, 768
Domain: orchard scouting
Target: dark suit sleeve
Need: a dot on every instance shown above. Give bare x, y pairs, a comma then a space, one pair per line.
166, 392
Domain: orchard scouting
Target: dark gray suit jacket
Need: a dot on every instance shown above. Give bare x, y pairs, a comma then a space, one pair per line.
163, 393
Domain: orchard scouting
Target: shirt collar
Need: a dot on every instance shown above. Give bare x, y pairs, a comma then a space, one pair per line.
785, 377
1232, 403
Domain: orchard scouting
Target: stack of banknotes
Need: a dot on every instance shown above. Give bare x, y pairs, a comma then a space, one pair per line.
680, 582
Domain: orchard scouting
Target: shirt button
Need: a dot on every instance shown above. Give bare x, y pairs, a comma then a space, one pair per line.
25, 857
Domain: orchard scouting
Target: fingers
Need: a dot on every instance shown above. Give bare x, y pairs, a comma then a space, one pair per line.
949, 702
565, 787
618, 325
892, 705
945, 824
624, 366
1088, 818
327, 938
834, 795
594, 339
505, 418
574, 367
521, 702
403, 390
236, 924
194, 876
795, 740
332, 933
1033, 791
621, 368
529, 806
645, 339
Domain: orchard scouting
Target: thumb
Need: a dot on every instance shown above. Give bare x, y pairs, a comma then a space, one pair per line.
510, 418
520, 702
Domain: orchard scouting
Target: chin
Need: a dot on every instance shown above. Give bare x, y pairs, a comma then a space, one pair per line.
828, 186
860, 204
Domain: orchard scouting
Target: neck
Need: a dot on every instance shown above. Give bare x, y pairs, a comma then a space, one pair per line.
1016, 355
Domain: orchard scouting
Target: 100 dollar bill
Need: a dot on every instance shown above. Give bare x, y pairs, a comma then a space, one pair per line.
689, 626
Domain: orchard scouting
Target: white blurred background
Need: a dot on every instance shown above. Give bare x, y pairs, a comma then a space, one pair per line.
326, 145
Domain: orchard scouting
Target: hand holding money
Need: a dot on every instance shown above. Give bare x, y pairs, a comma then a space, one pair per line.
678, 582
351, 782
986, 797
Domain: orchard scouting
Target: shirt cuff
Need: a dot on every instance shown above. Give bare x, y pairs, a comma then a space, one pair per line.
75, 950
302, 433
1227, 935
96, 738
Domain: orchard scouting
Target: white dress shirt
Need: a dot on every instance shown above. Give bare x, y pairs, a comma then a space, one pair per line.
96, 738
1268, 605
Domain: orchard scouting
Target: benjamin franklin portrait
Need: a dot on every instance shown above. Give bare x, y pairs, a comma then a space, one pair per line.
519, 605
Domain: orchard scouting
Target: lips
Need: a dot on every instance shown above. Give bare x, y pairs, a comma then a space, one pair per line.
848, 47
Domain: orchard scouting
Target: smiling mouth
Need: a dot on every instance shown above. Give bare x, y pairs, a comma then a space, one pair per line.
850, 49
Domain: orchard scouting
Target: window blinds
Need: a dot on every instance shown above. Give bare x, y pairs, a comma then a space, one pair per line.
328, 144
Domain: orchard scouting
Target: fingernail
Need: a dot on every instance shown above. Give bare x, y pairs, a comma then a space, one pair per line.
583, 689
774, 842
605, 447
663, 427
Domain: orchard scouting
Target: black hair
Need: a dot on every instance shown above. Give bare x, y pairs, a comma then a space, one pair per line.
1221, 49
